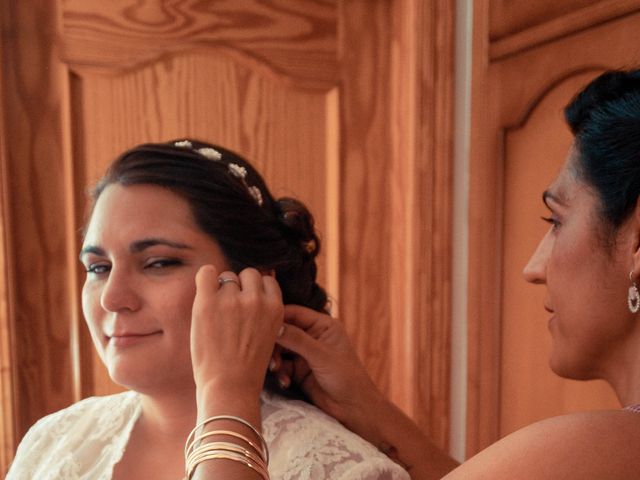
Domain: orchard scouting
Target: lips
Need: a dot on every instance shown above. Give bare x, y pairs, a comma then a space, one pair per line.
124, 339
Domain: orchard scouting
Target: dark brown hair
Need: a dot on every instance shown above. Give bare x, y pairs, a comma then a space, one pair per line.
605, 120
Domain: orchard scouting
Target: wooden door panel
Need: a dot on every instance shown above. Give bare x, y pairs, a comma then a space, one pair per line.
512, 16
293, 40
534, 152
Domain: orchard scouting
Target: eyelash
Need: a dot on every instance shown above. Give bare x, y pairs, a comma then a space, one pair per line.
554, 223
101, 268
95, 266
163, 263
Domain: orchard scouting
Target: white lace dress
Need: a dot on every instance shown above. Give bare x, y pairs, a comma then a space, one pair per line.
87, 439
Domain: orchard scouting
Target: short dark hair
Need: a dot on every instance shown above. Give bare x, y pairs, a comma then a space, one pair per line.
605, 120
252, 229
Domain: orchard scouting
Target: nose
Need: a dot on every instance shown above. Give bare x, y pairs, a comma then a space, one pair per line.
535, 271
119, 292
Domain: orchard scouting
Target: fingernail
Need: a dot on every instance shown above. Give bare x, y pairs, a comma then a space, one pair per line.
272, 365
281, 331
284, 382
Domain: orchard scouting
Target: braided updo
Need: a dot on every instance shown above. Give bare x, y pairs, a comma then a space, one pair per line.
231, 203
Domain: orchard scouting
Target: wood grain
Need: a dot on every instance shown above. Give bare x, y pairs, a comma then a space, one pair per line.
569, 20
483, 313
292, 41
508, 17
34, 223
366, 154
396, 113
7, 366
420, 175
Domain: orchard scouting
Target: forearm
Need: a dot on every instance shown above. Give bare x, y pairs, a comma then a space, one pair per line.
233, 330
389, 429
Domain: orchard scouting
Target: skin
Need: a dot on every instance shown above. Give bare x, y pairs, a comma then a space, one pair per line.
165, 327
586, 275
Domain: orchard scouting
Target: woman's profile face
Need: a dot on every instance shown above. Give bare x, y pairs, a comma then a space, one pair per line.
141, 251
586, 281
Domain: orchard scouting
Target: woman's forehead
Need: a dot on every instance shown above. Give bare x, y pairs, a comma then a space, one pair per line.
139, 210
568, 180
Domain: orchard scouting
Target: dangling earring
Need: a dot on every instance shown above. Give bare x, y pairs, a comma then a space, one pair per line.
633, 299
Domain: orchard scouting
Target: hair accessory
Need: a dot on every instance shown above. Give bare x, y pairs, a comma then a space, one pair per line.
633, 297
210, 153
256, 194
310, 246
236, 170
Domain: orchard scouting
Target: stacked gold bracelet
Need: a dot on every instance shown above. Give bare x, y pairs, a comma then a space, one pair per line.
253, 457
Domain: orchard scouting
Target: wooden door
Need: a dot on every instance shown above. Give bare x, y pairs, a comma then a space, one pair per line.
344, 104
535, 60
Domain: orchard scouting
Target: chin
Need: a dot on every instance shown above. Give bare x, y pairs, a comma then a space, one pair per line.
149, 382
570, 369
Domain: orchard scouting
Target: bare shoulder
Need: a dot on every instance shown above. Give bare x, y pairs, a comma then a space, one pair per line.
585, 446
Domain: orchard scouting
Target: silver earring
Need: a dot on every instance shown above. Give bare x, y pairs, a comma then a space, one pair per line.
633, 298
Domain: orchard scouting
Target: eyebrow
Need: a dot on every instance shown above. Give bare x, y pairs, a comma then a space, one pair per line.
137, 246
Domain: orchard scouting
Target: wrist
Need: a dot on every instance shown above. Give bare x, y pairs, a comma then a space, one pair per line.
228, 398
363, 419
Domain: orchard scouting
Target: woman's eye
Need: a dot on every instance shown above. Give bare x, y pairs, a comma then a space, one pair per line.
97, 268
554, 223
162, 263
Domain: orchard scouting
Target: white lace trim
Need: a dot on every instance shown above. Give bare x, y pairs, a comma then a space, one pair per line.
86, 441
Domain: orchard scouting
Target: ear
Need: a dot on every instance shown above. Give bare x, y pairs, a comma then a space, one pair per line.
634, 232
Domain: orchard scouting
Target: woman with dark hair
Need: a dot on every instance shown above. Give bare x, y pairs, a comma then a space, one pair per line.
189, 259
589, 261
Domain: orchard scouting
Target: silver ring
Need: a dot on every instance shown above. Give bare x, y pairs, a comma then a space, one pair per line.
222, 281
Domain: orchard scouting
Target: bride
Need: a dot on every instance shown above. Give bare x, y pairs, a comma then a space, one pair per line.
190, 337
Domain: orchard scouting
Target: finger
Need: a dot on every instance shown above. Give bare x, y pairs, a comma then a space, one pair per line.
300, 342
276, 359
271, 287
285, 367
304, 317
284, 380
207, 279
251, 280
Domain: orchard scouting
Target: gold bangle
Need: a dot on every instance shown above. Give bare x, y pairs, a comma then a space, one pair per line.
225, 433
265, 450
226, 446
215, 455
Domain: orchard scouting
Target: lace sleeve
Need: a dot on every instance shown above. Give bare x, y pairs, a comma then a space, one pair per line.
29, 452
83, 441
306, 444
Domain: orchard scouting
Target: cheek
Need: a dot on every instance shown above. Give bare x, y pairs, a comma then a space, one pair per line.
177, 309
90, 304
